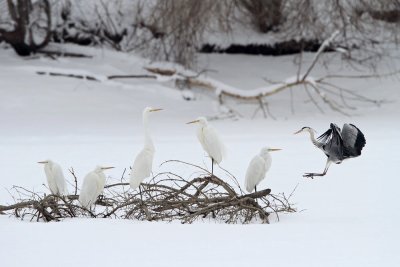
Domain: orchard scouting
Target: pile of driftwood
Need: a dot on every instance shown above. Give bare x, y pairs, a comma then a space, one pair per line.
167, 197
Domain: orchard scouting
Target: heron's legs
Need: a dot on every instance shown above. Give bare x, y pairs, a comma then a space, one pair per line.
311, 175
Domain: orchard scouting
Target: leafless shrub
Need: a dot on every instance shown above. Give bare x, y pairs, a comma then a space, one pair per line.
167, 197
92, 23
265, 15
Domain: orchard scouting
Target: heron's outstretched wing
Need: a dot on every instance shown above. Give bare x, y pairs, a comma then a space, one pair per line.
325, 137
353, 140
333, 143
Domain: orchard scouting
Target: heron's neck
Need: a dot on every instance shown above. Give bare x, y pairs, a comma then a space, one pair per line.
148, 142
313, 140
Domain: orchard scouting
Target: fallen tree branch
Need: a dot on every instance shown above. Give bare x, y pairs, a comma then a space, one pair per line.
77, 76
138, 76
319, 52
186, 80
63, 54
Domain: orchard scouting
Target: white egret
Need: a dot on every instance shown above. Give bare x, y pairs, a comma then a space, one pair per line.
55, 177
92, 187
258, 167
142, 166
210, 141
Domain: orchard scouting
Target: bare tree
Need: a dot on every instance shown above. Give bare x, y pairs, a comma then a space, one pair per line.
30, 29
177, 28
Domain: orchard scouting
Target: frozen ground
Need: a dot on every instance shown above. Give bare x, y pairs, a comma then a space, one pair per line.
347, 218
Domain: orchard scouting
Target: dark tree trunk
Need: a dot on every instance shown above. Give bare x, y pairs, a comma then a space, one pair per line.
21, 37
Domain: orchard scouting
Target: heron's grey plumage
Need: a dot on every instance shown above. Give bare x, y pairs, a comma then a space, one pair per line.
353, 141
338, 144
342, 144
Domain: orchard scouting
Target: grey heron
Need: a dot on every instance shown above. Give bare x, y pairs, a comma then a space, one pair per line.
337, 144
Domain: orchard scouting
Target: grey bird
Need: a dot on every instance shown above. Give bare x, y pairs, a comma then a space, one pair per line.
337, 144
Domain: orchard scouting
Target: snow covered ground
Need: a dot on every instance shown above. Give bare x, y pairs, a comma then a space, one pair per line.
347, 218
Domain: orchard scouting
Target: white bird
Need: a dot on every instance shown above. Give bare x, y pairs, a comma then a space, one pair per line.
55, 177
142, 166
92, 187
258, 167
210, 141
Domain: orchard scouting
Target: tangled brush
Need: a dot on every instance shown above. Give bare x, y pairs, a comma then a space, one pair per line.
167, 197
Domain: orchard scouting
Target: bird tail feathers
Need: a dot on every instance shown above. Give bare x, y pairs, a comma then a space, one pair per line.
85, 202
134, 183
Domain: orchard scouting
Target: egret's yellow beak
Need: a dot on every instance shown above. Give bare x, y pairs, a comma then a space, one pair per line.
274, 149
106, 168
42, 162
299, 131
195, 121
155, 109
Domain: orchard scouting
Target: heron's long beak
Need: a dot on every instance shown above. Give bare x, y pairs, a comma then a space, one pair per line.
192, 121
299, 131
155, 109
275, 149
42, 162
106, 168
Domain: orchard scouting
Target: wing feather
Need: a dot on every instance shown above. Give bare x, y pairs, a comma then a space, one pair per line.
325, 137
255, 173
59, 180
51, 182
90, 190
333, 146
142, 167
212, 143
353, 140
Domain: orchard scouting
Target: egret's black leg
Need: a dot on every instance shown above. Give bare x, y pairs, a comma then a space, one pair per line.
140, 192
311, 175
212, 167
255, 190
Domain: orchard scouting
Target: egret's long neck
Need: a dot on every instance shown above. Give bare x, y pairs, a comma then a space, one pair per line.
313, 140
148, 142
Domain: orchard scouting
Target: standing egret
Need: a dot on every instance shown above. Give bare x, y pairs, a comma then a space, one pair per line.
55, 177
92, 187
337, 144
258, 167
142, 166
210, 141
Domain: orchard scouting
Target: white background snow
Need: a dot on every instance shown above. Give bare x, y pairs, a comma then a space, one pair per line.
347, 218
